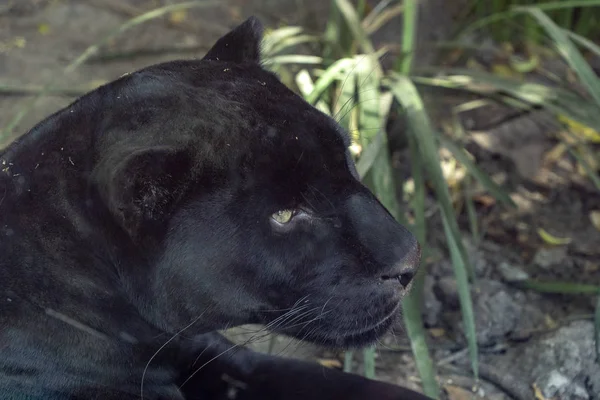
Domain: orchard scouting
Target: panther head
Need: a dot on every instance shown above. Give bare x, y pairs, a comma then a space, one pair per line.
238, 202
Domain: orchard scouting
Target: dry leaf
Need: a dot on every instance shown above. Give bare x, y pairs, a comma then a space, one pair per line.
580, 130
553, 240
484, 199
437, 332
595, 218
330, 362
44, 29
522, 65
506, 72
178, 16
550, 322
458, 393
555, 153
538, 393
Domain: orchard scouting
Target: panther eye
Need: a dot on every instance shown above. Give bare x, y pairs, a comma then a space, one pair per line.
283, 216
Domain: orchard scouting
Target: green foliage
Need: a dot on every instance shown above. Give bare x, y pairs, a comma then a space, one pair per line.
352, 86
346, 80
504, 25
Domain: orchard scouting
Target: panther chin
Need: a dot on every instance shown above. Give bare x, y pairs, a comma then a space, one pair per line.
336, 334
363, 337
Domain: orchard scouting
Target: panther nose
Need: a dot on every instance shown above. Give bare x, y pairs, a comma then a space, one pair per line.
404, 271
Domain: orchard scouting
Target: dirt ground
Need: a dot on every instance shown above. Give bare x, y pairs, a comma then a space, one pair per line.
530, 343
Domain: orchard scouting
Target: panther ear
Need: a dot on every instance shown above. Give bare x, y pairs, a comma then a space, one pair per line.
240, 45
145, 186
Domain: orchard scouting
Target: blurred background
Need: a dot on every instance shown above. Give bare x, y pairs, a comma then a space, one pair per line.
477, 123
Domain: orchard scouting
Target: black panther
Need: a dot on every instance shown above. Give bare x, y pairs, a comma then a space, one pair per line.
176, 201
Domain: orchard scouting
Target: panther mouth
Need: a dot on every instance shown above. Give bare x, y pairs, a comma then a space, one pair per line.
364, 336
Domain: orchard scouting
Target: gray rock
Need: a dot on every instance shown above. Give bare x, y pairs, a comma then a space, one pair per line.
432, 307
549, 256
477, 258
554, 383
499, 310
563, 365
512, 273
446, 290
496, 311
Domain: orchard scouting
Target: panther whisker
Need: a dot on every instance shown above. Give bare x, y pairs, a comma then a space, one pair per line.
206, 363
359, 103
162, 347
323, 196
346, 79
293, 322
308, 201
282, 319
304, 323
360, 85
343, 107
236, 345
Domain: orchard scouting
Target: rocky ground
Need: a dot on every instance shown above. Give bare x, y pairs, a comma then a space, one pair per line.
531, 344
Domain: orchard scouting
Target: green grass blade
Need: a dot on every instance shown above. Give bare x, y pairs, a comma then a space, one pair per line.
569, 51
558, 287
369, 154
380, 179
369, 362
354, 24
566, 18
277, 35
289, 43
293, 59
420, 127
587, 25
370, 123
373, 111
587, 167
306, 86
330, 75
376, 12
348, 357
464, 295
559, 5
584, 42
344, 105
471, 212
485, 21
549, 6
413, 322
378, 141
412, 304
369, 93
408, 96
556, 100
597, 329
372, 26
418, 203
409, 34
484, 179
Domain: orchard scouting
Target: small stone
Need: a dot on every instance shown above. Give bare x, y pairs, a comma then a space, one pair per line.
446, 291
557, 385
549, 256
512, 273
432, 306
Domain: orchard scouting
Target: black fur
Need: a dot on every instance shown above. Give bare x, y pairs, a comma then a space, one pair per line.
137, 221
